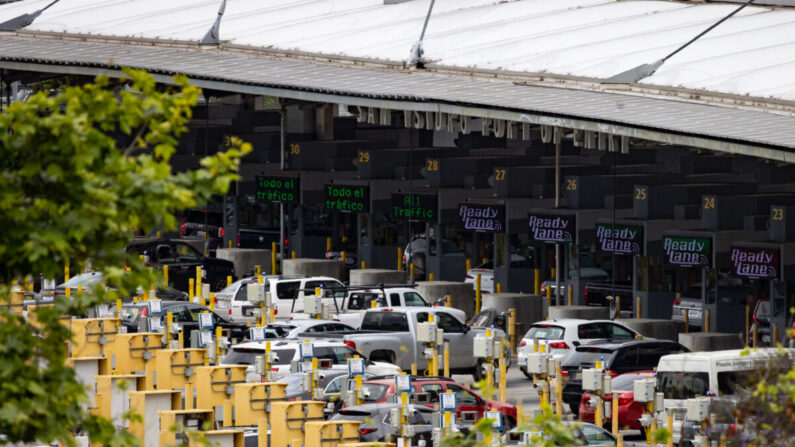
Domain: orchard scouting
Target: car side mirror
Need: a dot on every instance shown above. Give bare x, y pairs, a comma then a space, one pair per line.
466, 328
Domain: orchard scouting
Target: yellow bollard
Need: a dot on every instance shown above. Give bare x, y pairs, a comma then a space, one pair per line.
558, 396
258, 269
552, 272
723, 441
219, 332
448, 301
756, 336
191, 288
343, 257
231, 244
411, 272
614, 413
165, 273
549, 293
503, 381
328, 244
618, 307
670, 426
66, 272
68, 292
80, 289
373, 304
271, 316
469, 265
293, 255
202, 301
180, 339
619, 440
477, 293
413, 369
519, 413
364, 265
571, 295
499, 288
198, 280
512, 328
544, 395
638, 307
430, 277
400, 258
706, 320
228, 280
774, 341
212, 301
118, 308
273, 258
446, 359
686, 315
537, 281
597, 417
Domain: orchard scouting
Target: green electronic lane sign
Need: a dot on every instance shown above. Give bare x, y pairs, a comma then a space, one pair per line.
278, 189
415, 206
688, 251
625, 239
347, 198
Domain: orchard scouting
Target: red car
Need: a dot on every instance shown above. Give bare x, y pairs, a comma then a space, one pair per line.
628, 410
376, 391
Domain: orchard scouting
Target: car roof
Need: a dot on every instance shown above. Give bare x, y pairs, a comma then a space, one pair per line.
162, 303
573, 322
288, 343
414, 379
608, 343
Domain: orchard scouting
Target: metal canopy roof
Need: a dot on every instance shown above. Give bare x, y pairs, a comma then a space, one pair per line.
723, 129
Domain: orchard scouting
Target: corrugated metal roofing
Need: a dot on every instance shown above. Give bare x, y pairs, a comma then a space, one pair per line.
722, 124
752, 54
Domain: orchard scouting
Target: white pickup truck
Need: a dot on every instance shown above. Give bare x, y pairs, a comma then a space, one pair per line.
390, 335
361, 300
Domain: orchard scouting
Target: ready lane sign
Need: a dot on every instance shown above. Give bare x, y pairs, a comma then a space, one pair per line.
552, 227
278, 189
619, 238
415, 206
688, 251
755, 262
482, 218
347, 198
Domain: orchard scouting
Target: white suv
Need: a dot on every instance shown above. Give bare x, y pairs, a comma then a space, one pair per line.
287, 352
561, 337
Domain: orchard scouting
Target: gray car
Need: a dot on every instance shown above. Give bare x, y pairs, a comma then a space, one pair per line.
375, 422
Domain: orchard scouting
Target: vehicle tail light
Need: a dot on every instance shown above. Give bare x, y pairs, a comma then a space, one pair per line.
732, 430
286, 243
230, 311
182, 228
543, 289
350, 344
366, 431
612, 373
275, 311
585, 295
559, 345
564, 373
523, 343
469, 277
221, 232
586, 398
328, 255
677, 302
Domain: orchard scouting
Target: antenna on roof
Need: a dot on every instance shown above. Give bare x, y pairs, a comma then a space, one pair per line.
416, 49
213, 36
19, 22
645, 70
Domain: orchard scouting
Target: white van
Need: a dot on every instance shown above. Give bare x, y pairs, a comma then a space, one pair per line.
696, 374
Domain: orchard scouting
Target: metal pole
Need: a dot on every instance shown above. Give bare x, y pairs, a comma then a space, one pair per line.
558, 298
283, 132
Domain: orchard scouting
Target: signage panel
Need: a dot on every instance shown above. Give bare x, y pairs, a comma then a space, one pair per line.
483, 218
755, 262
688, 251
620, 238
347, 198
278, 189
415, 206
552, 227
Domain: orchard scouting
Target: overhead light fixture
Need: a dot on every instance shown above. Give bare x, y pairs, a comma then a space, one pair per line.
416, 52
643, 71
19, 22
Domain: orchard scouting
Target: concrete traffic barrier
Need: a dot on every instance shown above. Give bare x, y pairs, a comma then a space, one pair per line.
245, 259
462, 294
314, 267
652, 328
378, 276
529, 308
700, 341
582, 312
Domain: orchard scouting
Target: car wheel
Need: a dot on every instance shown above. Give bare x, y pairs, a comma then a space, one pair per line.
508, 355
526, 374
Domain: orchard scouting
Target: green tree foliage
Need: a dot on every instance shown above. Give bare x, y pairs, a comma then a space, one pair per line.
87, 167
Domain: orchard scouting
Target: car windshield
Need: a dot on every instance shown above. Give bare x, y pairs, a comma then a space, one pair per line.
545, 332
363, 300
626, 382
373, 392
228, 290
246, 356
682, 385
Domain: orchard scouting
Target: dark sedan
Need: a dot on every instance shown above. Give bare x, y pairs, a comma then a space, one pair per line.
185, 313
617, 357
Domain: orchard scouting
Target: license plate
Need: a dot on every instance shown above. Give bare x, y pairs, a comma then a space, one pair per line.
694, 314
578, 376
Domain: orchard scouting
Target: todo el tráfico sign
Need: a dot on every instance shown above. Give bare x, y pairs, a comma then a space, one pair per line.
620, 238
415, 206
546, 227
688, 250
347, 198
481, 217
755, 262
278, 189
